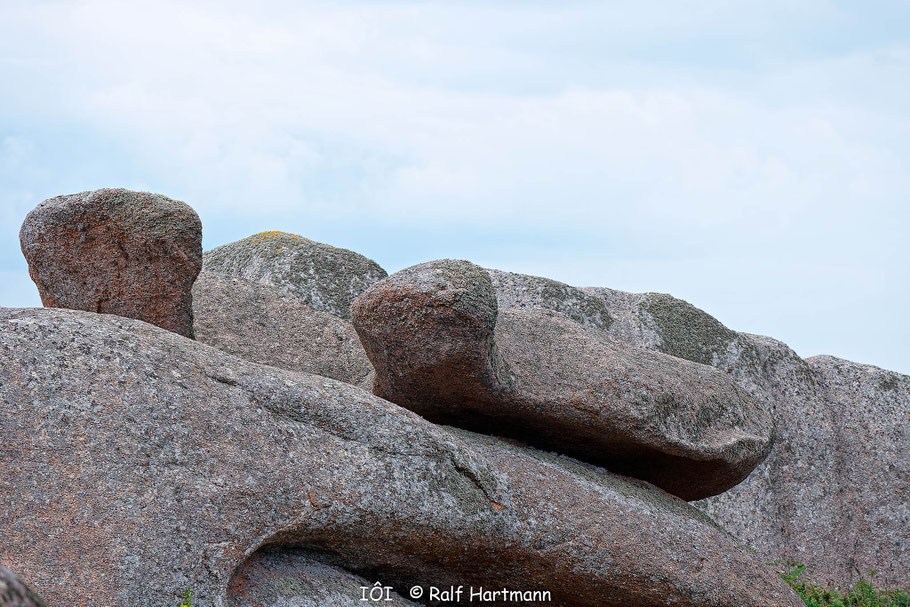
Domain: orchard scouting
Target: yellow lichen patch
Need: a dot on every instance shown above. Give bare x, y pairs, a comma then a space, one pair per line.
261, 236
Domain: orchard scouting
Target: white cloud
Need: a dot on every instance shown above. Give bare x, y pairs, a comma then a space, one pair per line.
677, 131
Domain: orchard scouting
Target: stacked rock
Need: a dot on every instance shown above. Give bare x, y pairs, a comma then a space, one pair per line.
841, 432
441, 348
170, 463
303, 487
115, 251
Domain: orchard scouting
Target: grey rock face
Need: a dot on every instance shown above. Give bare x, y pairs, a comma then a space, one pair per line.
164, 464
258, 323
115, 251
293, 577
440, 348
324, 277
519, 291
832, 492
13, 593
870, 410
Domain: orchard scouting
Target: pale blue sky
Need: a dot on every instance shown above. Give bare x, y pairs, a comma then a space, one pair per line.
750, 157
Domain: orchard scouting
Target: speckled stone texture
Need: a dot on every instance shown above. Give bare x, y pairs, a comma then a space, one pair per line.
518, 291
871, 460
14, 593
115, 251
258, 323
138, 463
833, 491
324, 277
441, 348
293, 577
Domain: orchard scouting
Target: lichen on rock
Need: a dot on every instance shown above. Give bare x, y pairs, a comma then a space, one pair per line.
324, 277
536, 292
685, 331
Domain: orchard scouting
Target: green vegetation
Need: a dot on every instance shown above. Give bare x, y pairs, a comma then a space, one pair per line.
186, 599
863, 594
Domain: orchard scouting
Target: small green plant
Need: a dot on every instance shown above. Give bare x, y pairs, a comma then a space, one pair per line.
863, 594
186, 599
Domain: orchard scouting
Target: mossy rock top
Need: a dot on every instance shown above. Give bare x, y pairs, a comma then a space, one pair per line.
686, 332
536, 292
324, 277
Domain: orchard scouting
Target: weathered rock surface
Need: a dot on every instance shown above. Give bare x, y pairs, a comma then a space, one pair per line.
13, 593
293, 577
258, 323
440, 348
867, 420
833, 491
115, 251
324, 277
138, 463
519, 291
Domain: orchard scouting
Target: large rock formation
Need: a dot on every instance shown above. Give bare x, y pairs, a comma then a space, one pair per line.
869, 413
138, 463
324, 277
441, 349
832, 492
115, 251
13, 593
258, 323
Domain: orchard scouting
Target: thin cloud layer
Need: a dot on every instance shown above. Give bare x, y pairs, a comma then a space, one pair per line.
749, 158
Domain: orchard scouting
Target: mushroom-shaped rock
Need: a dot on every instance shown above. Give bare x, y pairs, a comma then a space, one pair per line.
13, 593
441, 348
116, 251
138, 463
324, 277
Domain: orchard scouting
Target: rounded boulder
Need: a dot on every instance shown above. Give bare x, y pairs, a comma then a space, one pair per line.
115, 251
